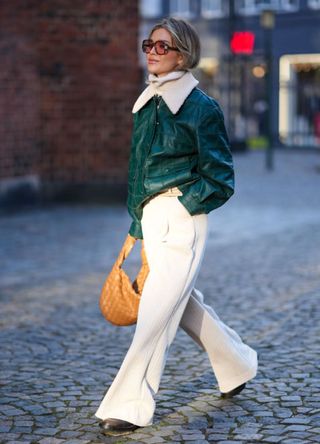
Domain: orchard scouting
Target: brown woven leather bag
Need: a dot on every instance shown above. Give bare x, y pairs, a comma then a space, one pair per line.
119, 299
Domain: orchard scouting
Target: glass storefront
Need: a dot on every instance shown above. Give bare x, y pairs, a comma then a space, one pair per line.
299, 100
238, 83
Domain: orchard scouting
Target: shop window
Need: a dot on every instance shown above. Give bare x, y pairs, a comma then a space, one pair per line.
299, 100
213, 8
180, 8
314, 4
150, 8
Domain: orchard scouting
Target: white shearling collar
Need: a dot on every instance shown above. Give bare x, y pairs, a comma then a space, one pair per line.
174, 89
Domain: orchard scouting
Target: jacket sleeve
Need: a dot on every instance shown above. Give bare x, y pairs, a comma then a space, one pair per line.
135, 229
215, 184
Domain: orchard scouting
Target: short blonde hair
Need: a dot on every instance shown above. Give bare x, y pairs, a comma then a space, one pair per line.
184, 37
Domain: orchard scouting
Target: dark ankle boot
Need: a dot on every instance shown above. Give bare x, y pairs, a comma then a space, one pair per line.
119, 426
233, 392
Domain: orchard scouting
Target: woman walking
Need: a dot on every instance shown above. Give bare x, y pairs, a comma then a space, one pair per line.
180, 169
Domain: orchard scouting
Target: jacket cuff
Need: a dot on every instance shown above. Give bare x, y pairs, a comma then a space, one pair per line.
136, 230
194, 206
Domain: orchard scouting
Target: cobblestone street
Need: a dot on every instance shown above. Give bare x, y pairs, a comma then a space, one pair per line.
261, 273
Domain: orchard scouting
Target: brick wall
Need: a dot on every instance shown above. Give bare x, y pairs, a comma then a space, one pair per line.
69, 75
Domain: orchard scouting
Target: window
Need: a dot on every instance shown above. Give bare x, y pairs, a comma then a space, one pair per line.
150, 8
213, 8
289, 5
299, 98
180, 8
245, 6
248, 7
314, 4
267, 4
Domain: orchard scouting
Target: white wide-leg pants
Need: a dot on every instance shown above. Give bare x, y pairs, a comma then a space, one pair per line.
174, 243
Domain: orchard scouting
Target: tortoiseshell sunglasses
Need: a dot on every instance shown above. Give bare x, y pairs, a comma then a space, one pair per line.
161, 47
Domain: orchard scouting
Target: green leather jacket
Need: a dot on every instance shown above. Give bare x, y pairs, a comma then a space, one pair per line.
188, 150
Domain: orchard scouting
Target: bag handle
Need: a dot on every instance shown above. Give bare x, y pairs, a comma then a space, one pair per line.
143, 255
125, 250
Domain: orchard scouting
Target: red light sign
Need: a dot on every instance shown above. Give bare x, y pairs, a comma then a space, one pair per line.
242, 42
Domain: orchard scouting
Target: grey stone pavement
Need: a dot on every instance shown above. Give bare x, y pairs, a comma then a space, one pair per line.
261, 273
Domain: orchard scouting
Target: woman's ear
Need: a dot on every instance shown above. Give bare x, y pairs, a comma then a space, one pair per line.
180, 60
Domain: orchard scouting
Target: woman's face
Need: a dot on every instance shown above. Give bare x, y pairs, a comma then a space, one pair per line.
161, 65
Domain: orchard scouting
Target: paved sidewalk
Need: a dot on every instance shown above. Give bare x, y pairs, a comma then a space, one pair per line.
261, 273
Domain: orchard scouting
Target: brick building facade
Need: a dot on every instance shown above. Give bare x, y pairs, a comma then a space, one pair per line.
69, 75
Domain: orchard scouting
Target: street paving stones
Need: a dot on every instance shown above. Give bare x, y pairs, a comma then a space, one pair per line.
261, 273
